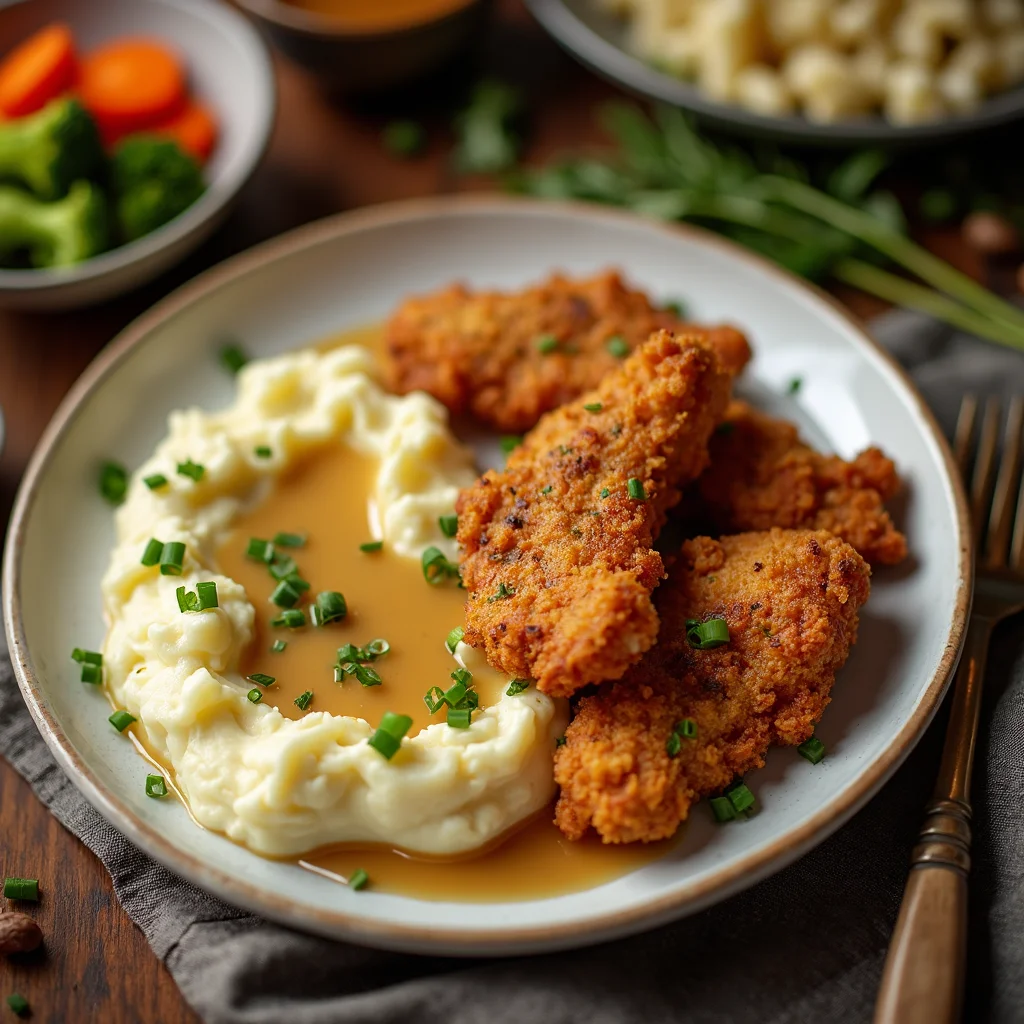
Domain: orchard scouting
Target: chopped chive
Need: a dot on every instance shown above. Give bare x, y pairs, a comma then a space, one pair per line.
635, 489
794, 385
436, 567
434, 699
546, 344
813, 749
153, 552
510, 442
726, 428
546, 490
303, 700
673, 745
92, 674
155, 482
449, 525
262, 451
403, 138
22, 889
289, 540
366, 675
455, 693
193, 470
278, 646
359, 879
113, 482
172, 558
254, 696
516, 687
232, 358
722, 809
605, 492
687, 728
187, 600
593, 406
156, 786
560, 742
260, 550
286, 594
740, 797
292, 618
454, 639
18, 1004
459, 718
86, 657
339, 674
376, 649
120, 720
283, 566
207, 593
676, 308
261, 679
618, 346
371, 546
705, 636
501, 593
329, 607
388, 737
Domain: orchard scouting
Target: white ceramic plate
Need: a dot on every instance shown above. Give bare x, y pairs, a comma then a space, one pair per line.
351, 270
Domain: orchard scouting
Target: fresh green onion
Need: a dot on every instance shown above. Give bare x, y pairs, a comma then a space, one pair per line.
740, 797
436, 567
635, 489
120, 720
261, 679
605, 492
232, 358
207, 593
254, 696
813, 749
560, 742
593, 406
289, 540
454, 638
262, 451
87, 657
388, 737
193, 470
153, 552
260, 550
376, 648
292, 618
510, 442
371, 546
18, 1004
546, 490
283, 566
501, 593
722, 809
172, 558
155, 482
516, 687
434, 699
22, 889
329, 607
278, 646
367, 676
303, 700
687, 728
286, 594
455, 693
187, 600
359, 879
459, 718
673, 745
705, 636
618, 346
794, 385
449, 525
156, 786
113, 482
92, 674
546, 344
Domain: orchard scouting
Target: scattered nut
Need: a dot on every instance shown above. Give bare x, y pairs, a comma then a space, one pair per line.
18, 934
989, 233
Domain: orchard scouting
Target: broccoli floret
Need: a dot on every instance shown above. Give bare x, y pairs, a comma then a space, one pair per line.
50, 150
55, 234
154, 180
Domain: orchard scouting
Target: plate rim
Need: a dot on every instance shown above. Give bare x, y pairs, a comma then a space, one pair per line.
721, 884
618, 65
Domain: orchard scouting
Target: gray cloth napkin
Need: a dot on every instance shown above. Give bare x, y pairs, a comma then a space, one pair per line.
805, 945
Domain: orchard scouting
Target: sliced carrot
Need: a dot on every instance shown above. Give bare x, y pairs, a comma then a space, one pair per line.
195, 129
131, 84
37, 71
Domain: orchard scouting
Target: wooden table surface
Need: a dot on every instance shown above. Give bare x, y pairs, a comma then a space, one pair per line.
325, 157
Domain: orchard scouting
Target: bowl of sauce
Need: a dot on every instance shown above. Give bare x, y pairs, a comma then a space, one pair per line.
368, 45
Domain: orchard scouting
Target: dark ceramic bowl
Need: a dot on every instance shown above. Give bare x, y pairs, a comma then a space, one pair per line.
349, 60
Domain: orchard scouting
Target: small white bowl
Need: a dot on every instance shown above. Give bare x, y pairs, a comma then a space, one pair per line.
229, 68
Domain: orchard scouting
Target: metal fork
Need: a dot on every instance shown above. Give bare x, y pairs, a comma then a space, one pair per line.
923, 980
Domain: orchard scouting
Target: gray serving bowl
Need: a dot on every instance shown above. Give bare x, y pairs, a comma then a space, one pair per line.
596, 38
347, 60
229, 68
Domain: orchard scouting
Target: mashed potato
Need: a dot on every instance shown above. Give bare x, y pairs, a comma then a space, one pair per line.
284, 787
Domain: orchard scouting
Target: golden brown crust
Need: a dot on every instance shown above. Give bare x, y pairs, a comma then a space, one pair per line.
477, 351
559, 576
762, 475
791, 599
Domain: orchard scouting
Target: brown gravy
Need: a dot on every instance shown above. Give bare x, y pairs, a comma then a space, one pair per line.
377, 15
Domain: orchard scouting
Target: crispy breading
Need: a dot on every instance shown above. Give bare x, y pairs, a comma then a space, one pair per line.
763, 475
556, 555
790, 598
508, 358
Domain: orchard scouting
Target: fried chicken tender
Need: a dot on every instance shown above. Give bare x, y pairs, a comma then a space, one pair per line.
508, 358
763, 475
790, 598
555, 552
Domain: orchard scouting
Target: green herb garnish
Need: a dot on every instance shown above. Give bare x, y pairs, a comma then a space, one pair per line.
113, 482
705, 636
156, 786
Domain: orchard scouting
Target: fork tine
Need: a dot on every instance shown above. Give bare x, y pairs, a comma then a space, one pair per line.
964, 431
984, 468
1004, 497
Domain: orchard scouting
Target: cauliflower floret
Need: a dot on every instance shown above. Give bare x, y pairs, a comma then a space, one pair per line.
826, 83
911, 94
796, 22
1000, 14
861, 22
729, 36
762, 89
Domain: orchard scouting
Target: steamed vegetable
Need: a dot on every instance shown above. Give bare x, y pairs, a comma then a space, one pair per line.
54, 234
37, 71
153, 181
49, 150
